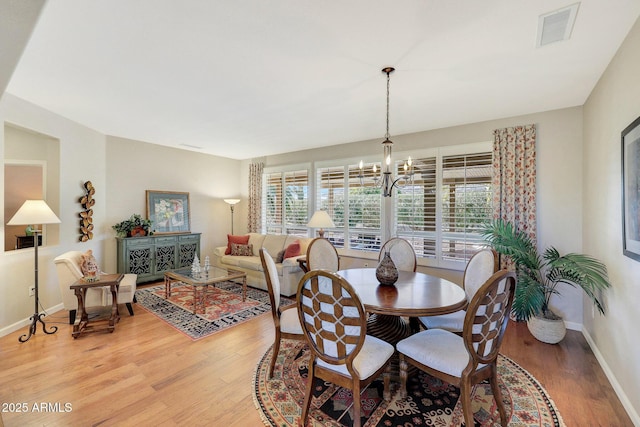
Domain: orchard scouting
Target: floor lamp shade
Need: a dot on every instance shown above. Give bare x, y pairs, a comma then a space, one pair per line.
321, 219
34, 212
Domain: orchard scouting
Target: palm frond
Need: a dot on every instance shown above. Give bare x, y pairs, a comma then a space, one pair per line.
529, 298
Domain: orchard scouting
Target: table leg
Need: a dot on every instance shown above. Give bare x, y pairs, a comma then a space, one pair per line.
167, 287
81, 316
391, 329
244, 288
115, 313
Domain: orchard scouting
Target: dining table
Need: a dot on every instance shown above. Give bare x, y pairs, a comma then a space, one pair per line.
393, 309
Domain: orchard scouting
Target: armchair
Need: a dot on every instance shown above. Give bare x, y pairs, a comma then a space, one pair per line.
68, 270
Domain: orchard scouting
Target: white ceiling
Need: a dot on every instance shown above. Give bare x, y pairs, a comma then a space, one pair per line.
249, 78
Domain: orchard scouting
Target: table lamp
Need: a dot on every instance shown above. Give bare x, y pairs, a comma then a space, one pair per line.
34, 212
320, 219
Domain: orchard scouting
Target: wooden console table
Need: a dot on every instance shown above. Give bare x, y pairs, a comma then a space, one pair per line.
82, 324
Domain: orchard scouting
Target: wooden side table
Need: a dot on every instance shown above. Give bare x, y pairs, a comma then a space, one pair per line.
82, 324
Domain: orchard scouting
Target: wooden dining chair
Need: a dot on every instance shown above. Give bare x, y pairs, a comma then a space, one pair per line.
479, 268
466, 360
334, 322
321, 254
286, 321
402, 253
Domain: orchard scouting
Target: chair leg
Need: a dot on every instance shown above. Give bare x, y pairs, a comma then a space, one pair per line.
130, 308
386, 376
274, 356
497, 395
308, 393
356, 403
403, 377
465, 394
72, 317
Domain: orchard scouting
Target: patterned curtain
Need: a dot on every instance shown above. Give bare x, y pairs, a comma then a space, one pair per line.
255, 196
514, 178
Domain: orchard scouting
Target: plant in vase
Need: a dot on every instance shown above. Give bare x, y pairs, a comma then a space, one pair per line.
134, 226
539, 277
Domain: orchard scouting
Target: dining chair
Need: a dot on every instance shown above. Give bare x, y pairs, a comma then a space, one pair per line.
402, 253
286, 320
334, 323
321, 254
479, 268
466, 360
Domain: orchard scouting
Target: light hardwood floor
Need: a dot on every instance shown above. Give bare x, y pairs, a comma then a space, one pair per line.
148, 374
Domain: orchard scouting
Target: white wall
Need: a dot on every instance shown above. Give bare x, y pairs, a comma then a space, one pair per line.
611, 107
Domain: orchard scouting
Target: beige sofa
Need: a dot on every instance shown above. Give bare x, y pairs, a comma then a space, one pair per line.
289, 271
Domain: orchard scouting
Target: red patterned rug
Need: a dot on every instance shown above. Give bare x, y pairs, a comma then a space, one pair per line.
224, 307
430, 402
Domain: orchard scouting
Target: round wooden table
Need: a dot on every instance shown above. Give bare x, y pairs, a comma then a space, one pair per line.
413, 295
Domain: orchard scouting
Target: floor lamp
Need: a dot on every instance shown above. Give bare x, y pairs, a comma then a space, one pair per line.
232, 202
34, 212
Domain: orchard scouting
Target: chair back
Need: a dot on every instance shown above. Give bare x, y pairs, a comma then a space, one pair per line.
273, 282
332, 318
321, 254
479, 268
487, 317
402, 253
68, 271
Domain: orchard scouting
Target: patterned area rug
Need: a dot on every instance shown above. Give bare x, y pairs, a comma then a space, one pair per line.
224, 307
430, 402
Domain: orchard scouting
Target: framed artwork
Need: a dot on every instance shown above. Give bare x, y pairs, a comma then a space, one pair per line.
168, 211
631, 190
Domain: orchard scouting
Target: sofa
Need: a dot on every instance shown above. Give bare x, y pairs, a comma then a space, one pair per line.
289, 271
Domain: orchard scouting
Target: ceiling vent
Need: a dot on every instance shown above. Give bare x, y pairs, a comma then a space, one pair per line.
557, 25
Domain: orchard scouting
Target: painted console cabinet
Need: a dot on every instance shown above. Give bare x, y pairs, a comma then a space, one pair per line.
151, 256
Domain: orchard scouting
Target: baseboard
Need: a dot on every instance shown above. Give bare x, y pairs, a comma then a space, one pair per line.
27, 321
631, 411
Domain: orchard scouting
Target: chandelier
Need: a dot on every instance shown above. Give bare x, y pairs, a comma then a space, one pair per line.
386, 180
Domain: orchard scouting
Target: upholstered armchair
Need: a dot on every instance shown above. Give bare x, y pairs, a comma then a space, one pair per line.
68, 270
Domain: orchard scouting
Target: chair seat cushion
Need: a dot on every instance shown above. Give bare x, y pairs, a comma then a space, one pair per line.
373, 355
290, 322
439, 349
452, 322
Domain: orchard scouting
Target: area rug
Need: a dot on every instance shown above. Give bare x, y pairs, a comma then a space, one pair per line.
430, 402
224, 307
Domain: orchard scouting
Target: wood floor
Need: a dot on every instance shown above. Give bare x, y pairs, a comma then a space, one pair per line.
148, 374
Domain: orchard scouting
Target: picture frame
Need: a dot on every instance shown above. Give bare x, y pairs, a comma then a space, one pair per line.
631, 190
169, 211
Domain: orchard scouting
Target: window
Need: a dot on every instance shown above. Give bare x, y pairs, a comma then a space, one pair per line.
344, 193
285, 202
438, 210
441, 209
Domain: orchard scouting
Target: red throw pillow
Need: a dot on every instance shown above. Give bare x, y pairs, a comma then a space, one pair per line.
238, 240
292, 250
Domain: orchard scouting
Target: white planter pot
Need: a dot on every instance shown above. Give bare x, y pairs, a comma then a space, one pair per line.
547, 330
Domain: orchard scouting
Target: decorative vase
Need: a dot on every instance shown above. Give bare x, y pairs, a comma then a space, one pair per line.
137, 232
386, 272
550, 331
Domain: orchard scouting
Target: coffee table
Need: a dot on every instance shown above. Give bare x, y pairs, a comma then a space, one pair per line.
202, 281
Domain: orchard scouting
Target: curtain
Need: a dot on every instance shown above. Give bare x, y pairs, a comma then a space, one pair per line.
514, 178
255, 196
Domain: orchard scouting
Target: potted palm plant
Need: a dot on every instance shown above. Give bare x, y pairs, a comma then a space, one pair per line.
539, 277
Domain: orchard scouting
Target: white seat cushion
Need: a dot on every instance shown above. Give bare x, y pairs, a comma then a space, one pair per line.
373, 355
438, 349
452, 322
290, 322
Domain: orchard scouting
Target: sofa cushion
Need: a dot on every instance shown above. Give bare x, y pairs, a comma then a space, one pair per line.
241, 250
239, 240
256, 240
292, 250
274, 243
250, 263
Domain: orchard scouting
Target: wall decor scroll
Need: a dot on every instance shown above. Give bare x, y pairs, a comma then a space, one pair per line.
86, 221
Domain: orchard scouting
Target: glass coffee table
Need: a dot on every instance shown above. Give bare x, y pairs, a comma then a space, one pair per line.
201, 282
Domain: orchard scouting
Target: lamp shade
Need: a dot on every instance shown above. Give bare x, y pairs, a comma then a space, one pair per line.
34, 212
232, 201
321, 219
